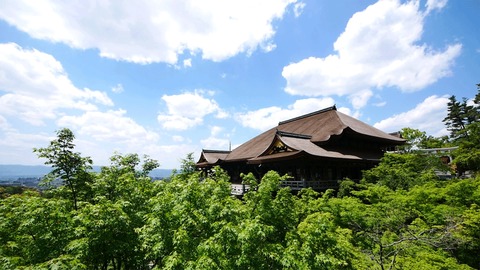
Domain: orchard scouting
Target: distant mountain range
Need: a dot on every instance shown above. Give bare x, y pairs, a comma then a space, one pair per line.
26, 171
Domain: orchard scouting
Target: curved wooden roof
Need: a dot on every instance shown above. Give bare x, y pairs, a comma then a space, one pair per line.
320, 126
296, 146
212, 157
323, 124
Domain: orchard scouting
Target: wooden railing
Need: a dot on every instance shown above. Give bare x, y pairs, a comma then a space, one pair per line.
316, 185
241, 189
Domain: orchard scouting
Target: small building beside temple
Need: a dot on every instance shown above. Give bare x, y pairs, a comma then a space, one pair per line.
316, 150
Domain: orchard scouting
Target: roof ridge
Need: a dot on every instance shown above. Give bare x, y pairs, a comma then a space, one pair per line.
334, 108
293, 135
215, 151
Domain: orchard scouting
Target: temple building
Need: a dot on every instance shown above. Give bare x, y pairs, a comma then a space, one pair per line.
316, 150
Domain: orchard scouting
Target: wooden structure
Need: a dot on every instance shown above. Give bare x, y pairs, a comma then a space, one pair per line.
316, 150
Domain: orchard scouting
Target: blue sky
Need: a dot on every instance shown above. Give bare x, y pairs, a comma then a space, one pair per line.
168, 78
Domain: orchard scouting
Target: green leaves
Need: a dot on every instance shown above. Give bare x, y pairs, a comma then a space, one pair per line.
187, 213
106, 235
463, 121
399, 217
404, 171
67, 165
197, 224
33, 229
191, 222
318, 243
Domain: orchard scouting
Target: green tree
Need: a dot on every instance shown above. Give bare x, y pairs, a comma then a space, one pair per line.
126, 179
408, 229
463, 122
469, 235
107, 226
417, 139
190, 223
106, 237
467, 156
461, 114
34, 231
400, 216
67, 165
435, 142
131, 163
476, 100
455, 119
403, 171
414, 138
318, 243
196, 224
187, 167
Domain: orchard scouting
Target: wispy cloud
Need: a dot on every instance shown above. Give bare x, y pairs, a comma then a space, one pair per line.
298, 8
435, 4
117, 88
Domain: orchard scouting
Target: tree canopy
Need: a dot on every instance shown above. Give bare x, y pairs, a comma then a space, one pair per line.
462, 114
398, 217
463, 121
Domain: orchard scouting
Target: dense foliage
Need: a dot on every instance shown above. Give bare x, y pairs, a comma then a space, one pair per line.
123, 220
400, 216
463, 122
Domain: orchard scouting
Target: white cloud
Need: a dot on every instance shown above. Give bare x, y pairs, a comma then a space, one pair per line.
100, 134
380, 47
265, 118
187, 63
269, 47
435, 4
298, 8
4, 125
37, 87
187, 110
360, 98
178, 138
349, 112
426, 116
170, 156
17, 148
214, 142
380, 104
117, 88
156, 31
167, 155
110, 126
215, 130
